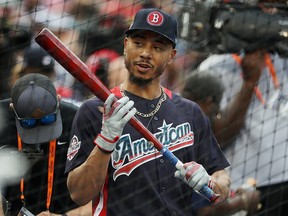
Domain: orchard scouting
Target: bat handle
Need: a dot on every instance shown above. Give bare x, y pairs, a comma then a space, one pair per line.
205, 190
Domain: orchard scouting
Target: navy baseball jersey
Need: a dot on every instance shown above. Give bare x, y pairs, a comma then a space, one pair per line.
139, 180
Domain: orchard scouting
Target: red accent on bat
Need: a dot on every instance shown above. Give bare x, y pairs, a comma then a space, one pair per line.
62, 54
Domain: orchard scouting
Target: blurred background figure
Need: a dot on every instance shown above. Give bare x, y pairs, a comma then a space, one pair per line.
117, 72
13, 165
206, 89
99, 63
36, 60
37, 125
14, 36
33, 60
260, 69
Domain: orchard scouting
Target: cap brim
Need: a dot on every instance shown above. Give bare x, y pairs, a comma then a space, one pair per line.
40, 134
129, 31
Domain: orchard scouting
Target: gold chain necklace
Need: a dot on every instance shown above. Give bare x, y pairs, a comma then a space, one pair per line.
153, 112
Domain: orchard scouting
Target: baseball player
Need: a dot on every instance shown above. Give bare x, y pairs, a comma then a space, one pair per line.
109, 162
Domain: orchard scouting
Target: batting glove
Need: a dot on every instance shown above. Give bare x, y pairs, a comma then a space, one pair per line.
194, 175
115, 116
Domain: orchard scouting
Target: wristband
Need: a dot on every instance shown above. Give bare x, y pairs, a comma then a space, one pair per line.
64, 214
103, 151
104, 144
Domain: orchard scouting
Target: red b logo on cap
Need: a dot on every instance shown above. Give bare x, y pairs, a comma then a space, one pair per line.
155, 18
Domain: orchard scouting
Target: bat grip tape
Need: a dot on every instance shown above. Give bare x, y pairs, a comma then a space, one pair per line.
205, 190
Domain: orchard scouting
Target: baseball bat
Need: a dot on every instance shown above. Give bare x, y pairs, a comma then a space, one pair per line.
65, 57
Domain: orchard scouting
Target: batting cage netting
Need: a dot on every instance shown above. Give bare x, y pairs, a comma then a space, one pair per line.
231, 60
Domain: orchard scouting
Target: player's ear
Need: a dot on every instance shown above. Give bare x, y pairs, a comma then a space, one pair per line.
125, 42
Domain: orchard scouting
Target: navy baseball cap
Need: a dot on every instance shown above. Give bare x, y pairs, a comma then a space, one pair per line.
34, 96
36, 57
155, 20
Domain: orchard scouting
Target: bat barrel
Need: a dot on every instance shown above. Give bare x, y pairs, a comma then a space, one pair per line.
49, 42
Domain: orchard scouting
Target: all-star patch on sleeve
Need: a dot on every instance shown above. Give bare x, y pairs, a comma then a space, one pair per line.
86, 126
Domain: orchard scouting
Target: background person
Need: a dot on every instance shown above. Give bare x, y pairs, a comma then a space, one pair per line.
259, 150
229, 119
38, 125
36, 60
206, 89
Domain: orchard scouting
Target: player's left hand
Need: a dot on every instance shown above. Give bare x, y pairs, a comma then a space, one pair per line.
194, 175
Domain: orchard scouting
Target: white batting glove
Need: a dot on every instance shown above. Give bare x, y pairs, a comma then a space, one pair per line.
115, 116
194, 175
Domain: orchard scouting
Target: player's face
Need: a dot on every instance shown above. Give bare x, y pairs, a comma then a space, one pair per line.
146, 56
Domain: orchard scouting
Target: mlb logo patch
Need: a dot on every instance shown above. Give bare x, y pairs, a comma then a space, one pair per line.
73, 148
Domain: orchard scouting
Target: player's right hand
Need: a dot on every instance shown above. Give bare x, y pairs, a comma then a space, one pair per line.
115, 116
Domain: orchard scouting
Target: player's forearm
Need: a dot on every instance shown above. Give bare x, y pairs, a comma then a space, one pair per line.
86, 181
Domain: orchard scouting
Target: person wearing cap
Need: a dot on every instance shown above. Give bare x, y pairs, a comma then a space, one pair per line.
35, 122
259, 149
110, 162
37, 60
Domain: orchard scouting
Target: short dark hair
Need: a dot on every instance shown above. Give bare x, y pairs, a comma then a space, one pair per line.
202, 84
